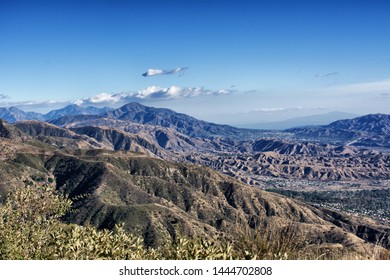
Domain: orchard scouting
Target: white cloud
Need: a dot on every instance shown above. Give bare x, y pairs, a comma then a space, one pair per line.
112, 99
103, 99
155, 72
3, 96
100, 98
151, 92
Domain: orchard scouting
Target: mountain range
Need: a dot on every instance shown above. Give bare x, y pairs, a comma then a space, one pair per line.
332, 152
133, 112
14, 114
370, 130
163, 174
160, 199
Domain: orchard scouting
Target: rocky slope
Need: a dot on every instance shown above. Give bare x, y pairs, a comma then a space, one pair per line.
373, 123
244, 160
56, 136
283, 159
92, 157
368, 131
251, 169
182, 123
162, 142
14, 114
160, 199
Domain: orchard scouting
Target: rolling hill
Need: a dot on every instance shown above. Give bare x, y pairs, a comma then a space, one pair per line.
157, 181
247, 160
160, 200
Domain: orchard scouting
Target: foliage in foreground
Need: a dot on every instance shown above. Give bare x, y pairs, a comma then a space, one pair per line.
30, 228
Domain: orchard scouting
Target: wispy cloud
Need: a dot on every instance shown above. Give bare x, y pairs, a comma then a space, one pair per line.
280, 109
265, 110
384, 94
152, 92
376, 87
156, 72
3, 96
324, 75
31, 105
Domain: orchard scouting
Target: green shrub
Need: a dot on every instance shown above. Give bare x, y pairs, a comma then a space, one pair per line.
30, 228
27, 219
197, 249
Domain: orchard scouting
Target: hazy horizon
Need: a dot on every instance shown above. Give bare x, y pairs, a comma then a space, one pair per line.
224, 62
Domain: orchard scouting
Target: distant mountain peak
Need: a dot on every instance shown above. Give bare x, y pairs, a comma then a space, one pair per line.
14, 114
168, 118
74, 109
372, 123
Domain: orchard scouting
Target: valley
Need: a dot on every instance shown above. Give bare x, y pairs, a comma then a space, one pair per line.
165, 174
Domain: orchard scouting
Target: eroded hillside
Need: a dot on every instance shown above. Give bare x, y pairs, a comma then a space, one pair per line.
161, 200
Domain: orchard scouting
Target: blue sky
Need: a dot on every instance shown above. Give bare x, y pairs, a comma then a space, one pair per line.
247, 61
